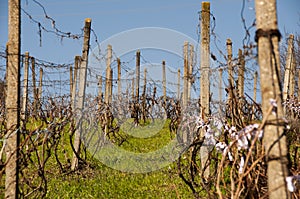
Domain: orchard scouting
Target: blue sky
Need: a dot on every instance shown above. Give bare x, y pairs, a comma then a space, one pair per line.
110, 17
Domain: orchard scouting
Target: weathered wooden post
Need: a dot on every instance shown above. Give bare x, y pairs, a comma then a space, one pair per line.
132, 89
205, 60
267, 36
293, 74
145, 82
288, 68
34, 86
108, 73
74, 88
119, 77
100, 88
185, 74
110, 83
220, 90
164, 81
229, 64
71, 80
204, 79
241, 74
144, 96
40, 91
231, 101
25, 89
81, 91
178, 84
12, 102
240, 83
255, 86
190, 72
254, 93
137, 82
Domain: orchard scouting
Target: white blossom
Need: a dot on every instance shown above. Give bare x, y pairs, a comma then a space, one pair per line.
230, 156
273, 102
232, 131
223, 148
242, 142
218, 123
247, 134
242, 164
200, 123
220, 146
291, 182
209, 137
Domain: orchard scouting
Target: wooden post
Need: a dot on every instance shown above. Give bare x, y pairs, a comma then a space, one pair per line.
230, 67
132, 89
190, 80
164, 81
34, 86
220, 90
100, 88
40, 86
108, 73
205, 60
71, 80
12, 102
288, 66
254, 93
25, 89
119, 78
137, 86
204, 79
40, 91
74, 88
231, 101
178, 84
144, 106
154, 93
240, 85
81, 91
241, 73
292, 75
126, 90
110, 86
145, 82
274, 139
185, 74
255, 86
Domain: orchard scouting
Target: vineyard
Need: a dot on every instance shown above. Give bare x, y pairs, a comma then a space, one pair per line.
215, 127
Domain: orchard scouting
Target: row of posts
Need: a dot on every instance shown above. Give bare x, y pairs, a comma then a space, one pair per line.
187, 76
37, 92
81, 66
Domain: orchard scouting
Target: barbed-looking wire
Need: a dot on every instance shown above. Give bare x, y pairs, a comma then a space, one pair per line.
93, 72
56, 31
246, 39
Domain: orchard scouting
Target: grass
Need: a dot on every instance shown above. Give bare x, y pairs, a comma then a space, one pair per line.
101, 181
105, 182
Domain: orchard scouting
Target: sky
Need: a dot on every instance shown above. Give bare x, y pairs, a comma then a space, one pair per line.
113, 17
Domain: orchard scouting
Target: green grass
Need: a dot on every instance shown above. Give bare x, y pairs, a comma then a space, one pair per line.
104, 182
101, 181
147, 138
